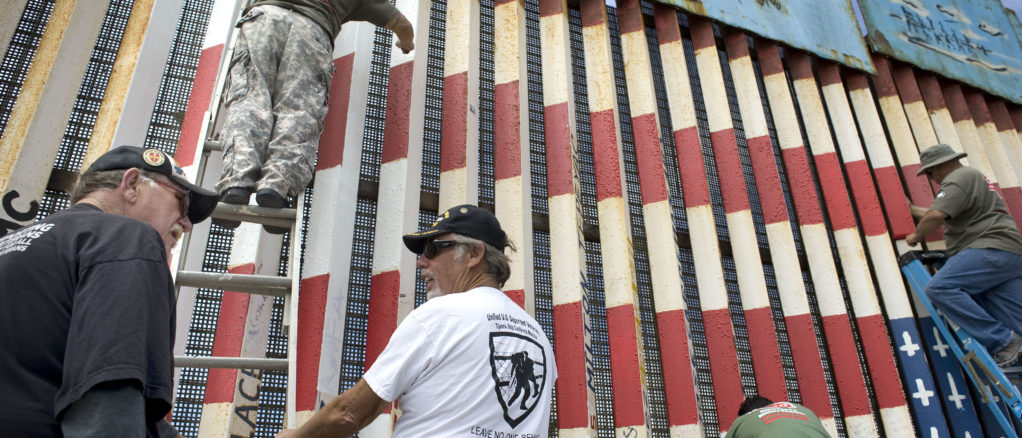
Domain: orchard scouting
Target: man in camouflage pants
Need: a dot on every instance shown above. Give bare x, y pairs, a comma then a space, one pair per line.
277, 94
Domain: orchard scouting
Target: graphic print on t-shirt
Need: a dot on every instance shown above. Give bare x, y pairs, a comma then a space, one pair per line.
518, 365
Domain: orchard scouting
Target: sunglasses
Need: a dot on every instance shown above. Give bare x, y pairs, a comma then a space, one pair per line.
180, 194
434, 247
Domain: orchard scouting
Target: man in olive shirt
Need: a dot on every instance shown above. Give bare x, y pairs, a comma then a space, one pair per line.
980, 285
760, 417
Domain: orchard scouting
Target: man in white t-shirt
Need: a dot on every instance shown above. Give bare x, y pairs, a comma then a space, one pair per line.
467, 363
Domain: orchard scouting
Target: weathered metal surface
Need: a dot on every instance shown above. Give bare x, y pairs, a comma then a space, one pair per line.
830, 31
972, 41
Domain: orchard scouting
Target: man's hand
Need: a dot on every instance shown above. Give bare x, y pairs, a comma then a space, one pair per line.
913, 239
404, 32
287, 433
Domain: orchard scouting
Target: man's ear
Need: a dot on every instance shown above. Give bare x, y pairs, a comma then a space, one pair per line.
130, 181
476, 253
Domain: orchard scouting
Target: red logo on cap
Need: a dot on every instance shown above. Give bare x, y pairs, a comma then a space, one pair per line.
153, 157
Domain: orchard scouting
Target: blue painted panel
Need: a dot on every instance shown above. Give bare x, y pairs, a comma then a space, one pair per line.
826, 28
954, 391
922, 392
972, 41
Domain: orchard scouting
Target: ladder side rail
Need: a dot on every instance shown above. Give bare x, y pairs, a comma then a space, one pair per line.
291, 311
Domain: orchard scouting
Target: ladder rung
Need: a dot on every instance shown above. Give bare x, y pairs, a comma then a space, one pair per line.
253, 284
214, 145
230, 362
278, 217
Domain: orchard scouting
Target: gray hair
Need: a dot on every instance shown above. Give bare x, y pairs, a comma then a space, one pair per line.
90, 182
498, 264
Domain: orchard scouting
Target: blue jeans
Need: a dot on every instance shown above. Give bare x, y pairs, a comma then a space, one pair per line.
981, 291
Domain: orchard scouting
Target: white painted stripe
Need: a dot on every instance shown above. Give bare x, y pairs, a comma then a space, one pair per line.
214, 418
828, 423
631, 431
689, 430
897, 421
553, 31
706, 254
663, 257
462, 24
857, 275
748, 264
679, 90
944, 126
711, 79
871, 128
579, 432
508, 197
453, 188
602, 95
844, 123
922, 128
221, 22
639, 77
823, 270
302, 417
317, 260
899, 130
387, 244
747, 90
971, 144
889, 277
616, 250
790, 287
567, 256
508, 42
783, 108
999, 158
862, 426
813, 114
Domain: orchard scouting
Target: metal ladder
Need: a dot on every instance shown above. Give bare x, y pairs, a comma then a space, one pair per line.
996, 391
287, 287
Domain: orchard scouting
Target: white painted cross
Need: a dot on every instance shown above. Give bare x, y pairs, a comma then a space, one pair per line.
941, 347
908, 347
955, 396
922, 393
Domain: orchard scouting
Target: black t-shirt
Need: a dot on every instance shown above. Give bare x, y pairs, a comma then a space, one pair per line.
86, 297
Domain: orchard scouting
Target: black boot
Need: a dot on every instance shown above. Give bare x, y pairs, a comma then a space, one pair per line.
269, 198
236, 196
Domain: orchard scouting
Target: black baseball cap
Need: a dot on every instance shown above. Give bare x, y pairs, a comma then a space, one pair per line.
201, 202
466, 220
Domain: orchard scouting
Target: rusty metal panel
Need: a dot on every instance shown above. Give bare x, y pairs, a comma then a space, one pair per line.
972, 41
826, 28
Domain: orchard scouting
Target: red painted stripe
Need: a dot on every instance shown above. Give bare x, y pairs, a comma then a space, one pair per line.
894, 201
605, 158
550, 7
399, 106
507, 131
593, 12
516, 295
956, 103
624, 366
883, 81
829, 73
870, 213
702, 32
877, 345
455, 123
856, 81
1000, 116
666, 19
929, 88
978, 107
766, 358
383, 304
835, 193
727, 382
1013, 199
800, 65
649, 158
230, 334
557, 131
629, 16
768, 181
845, 361
908, 88
311, 315
690, 163
679, 389
335, 124
769, 57
198, 103
729, 169
569, 346
736, 45
805, 354
803, 189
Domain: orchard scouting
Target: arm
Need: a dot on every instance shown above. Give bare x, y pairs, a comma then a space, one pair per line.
404, 32
916, 211
931, 220
343, 416
108, 409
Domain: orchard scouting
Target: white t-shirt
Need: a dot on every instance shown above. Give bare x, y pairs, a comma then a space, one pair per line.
470, 364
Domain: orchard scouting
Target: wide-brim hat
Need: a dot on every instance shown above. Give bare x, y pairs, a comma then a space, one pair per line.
201, 202
466, 220
937, 154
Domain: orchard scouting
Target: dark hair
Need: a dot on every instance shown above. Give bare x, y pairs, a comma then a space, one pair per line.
752, 403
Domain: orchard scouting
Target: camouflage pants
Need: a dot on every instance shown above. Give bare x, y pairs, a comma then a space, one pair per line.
276, 100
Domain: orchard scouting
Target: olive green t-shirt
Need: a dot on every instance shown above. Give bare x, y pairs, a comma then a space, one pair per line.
331, 14
977, 217
779, 420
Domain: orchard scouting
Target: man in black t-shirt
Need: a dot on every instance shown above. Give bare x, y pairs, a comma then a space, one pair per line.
87, 303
